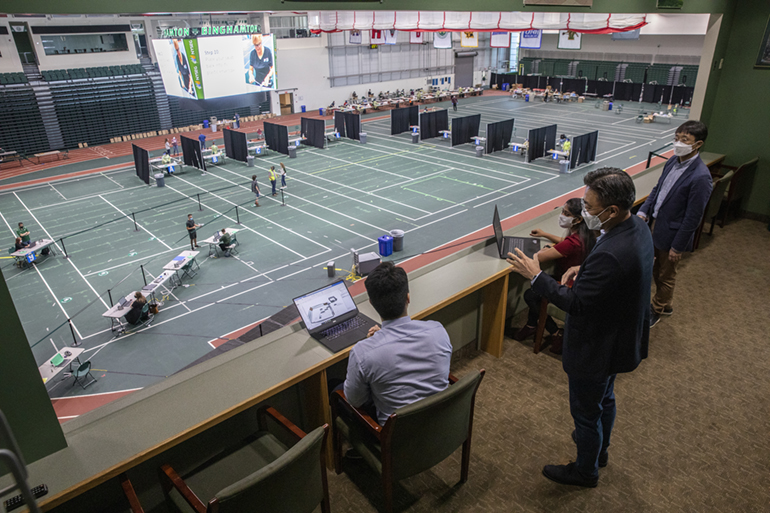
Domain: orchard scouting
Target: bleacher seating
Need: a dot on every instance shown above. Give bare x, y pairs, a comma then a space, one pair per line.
12, 78
86, 73
605, 70
21, 125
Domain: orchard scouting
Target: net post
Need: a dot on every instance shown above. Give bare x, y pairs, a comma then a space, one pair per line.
72, 330
237, 216
143, 276
283, 201
63, 248
199, 202
136, 227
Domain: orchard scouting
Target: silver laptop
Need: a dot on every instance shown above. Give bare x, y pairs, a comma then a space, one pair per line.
331, 316
505, 245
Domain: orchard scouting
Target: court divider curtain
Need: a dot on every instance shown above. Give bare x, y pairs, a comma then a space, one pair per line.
464, 128
314, 130
339, 123
191, 152
402, 119
227, 137
277, 137
142, 163
431, 123
499, 135
238, 148
353, 125
540, 141
583, 149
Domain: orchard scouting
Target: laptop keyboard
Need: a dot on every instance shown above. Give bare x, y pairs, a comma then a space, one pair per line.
513, 244
342, 328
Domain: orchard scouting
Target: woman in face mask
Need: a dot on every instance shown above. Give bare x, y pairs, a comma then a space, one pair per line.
568, 251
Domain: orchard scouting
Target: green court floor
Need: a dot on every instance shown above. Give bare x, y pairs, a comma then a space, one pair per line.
338, 198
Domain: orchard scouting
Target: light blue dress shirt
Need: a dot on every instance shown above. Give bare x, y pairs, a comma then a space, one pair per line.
676, 172
402, 363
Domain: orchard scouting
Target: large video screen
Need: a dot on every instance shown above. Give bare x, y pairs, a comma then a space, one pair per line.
213, 67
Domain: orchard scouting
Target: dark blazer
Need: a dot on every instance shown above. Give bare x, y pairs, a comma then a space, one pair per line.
608, 307
682, 209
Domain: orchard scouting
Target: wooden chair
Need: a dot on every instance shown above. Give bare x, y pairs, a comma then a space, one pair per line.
736, 187
133, 501
259, 474
414, 438
713, 205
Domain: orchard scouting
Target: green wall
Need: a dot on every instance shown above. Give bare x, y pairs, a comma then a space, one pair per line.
739, 123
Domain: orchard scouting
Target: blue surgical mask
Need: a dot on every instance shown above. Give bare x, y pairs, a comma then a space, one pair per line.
592, 221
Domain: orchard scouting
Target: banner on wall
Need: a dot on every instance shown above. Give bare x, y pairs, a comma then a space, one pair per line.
569, 40
531, 39
390, 37
500, 40
415, 38
442, 40
470, 40
355, 37
377, 37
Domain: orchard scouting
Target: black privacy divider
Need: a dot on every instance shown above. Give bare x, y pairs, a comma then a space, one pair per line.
313, 130
464, 128
583, 149
339, 123
402, 119
432, 123
142, 163
499, 135
277, 137
353, 125
540, 141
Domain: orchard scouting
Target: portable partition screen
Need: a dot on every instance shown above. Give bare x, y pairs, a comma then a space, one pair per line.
314, 131
142, 163
277, 137
503, 78
499, 135
431, 123
541, 140
339, 123
353, 125
583, 149
191, 153
236, 146
402, 119
465, 128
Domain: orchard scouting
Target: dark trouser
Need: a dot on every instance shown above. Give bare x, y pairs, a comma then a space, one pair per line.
454, 106
283, 181
592, 405
176, 149
223, 247
272, 182
533, 301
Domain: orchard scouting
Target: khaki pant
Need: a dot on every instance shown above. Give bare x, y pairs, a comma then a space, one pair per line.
664, 275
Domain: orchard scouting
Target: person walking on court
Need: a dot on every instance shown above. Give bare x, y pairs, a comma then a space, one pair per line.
454, 103
283, 176
175, 144
191, 231
202, 139
255, 189
273, 179
168, 147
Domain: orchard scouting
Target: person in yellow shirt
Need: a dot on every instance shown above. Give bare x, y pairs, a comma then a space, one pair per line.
273, 179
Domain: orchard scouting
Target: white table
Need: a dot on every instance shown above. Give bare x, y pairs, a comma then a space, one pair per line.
259, 149
160, 282
560, 153
213, 244
295, 141
479, 141
22, 256
184, 261
165, 167
220, 158
446, 134
48, 371
116, 312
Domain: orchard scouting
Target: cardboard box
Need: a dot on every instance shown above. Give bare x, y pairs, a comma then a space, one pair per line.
581, 99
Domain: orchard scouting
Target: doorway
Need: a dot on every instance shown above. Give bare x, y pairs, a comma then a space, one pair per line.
287, 103
24, 45
464, 71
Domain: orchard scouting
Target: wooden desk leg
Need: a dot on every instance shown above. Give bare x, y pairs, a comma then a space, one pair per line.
541, 324
494, 301
318, 410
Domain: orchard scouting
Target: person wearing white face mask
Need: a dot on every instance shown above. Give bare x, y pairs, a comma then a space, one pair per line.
568, 251
674, 210
608, 317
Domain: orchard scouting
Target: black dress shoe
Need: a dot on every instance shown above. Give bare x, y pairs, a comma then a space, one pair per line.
524, 333
604, 457
569, 475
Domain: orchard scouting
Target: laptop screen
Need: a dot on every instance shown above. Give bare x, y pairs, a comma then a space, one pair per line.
323, 305
498, 229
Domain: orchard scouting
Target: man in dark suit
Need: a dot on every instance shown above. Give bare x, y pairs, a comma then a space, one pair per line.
608, 316
674, 210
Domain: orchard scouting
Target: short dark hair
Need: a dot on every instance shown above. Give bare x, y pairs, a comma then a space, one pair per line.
695, 128
612, 186
253, 177
189, 215
388, 286
20, 223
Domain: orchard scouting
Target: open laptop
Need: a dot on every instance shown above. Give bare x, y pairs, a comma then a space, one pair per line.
217, 235
505, 245
331, 316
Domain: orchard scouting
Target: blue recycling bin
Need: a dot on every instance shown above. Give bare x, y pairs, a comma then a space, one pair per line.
304, 108
321, 111
205, 123
526, 97
386, 245
610, 106
506, 87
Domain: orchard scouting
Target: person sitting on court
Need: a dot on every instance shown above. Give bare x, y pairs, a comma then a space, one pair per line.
568, 251
224, 242
19, 244
401, 363
134, 315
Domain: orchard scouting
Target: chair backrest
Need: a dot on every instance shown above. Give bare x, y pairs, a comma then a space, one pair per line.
715, 201
145, 309
736, 182
426, 432
84, 369
291, 484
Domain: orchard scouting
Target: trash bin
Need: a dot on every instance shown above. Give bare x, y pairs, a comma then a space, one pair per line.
526, 97
292, 152
213, 120
160, 180
250, 161
506, 87
205, 123
304, 108
415, 137
479, 151
321, 111
386, 245
362, 137
330, 270
398, 239
564, 166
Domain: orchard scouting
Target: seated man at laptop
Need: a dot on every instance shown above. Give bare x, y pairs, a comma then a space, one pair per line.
402, 362
224, 241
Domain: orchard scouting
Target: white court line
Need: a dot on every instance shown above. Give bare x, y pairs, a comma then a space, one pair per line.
181, 248
68, 259
171, 292
55, 299
436, 221
362, 165
412, 180
515, 192
91, 196
57, 191
111, 180
137, 223
615, 149
650, 143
